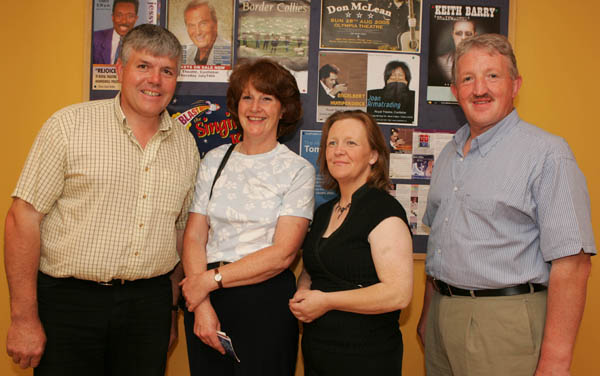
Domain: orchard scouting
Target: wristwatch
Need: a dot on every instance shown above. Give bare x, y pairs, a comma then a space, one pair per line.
218, 278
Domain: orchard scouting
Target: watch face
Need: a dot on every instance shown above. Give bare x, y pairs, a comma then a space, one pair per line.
218, 277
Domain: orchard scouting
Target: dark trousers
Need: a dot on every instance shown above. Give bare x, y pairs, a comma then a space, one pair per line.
104, 330
324, 363
263, 331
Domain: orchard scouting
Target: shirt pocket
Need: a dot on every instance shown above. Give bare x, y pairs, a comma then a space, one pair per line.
479, 206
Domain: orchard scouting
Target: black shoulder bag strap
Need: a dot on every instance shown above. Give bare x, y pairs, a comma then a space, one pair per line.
221, 167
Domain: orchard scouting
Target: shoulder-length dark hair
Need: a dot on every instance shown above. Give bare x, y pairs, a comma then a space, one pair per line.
379, 176
270, 78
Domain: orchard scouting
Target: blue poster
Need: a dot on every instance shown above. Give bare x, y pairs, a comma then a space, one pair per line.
207, 119
309, 149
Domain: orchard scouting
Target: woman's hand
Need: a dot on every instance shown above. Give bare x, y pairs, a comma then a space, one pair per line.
308, 305
206, 324
195, 289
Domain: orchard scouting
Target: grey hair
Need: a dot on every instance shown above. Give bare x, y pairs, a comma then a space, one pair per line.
200, 3
493, 43
153, 39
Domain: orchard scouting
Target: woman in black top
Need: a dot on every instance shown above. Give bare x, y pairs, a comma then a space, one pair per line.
358, 270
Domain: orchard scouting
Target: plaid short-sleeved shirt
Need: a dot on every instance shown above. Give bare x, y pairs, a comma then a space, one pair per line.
111, 207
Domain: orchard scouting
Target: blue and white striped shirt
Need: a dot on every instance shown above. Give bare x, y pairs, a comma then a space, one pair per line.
500, 214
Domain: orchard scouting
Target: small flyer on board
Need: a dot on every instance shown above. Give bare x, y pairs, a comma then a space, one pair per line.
278, 30
342, 83
384, 25
413, 198
310, 142
110, 24
449, 25
413, 152
205, 30
393, 88
207, 119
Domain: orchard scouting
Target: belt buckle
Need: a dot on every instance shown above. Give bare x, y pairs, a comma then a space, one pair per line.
112, 283
437, 287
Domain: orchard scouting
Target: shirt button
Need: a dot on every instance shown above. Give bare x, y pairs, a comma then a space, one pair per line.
144, 196
137, 254
439, 251
446, 219
146, 169
462, 159
455, 189
141, 225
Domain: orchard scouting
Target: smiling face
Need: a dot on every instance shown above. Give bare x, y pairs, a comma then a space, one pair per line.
124, 18
349, 155
259, 115
200, 26
462, 30
484, 88
147, 84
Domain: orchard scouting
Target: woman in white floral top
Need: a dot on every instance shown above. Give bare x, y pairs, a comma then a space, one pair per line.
239, 242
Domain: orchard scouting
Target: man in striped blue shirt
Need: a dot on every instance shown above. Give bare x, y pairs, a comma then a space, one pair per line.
509, 251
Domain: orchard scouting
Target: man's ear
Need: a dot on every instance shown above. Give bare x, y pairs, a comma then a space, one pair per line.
119, 67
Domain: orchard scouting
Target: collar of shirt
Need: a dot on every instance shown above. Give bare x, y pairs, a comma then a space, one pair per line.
114, 45
486, 141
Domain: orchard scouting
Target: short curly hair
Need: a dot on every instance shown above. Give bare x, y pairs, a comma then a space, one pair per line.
268, 77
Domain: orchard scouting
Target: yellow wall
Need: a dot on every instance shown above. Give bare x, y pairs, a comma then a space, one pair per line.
556, 46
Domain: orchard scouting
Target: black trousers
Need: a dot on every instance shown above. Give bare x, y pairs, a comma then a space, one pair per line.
318, 362
263, 331
97, 330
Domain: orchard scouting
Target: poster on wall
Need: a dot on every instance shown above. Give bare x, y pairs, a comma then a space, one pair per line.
413, 198
384, 85
371, 25
309, 149
205, 30
449, 25
413, 152
207, 119
342, 83
278, 30
110, 23
393, 88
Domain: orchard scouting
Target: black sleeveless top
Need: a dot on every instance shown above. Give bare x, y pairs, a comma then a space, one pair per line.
342, 262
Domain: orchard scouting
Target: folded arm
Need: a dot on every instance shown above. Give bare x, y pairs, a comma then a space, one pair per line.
391, 249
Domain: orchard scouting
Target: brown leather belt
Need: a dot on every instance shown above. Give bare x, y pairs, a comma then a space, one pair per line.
112, 283
449, 290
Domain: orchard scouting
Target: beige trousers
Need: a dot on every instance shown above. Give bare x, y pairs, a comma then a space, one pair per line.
488, 336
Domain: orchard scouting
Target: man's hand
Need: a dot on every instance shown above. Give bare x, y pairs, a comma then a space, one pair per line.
174, 330
25, 342
422, 325
566, 302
